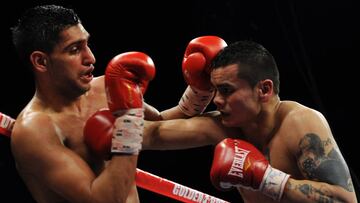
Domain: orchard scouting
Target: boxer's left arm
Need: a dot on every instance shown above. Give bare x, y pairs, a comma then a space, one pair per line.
326, 174
159, 135
238, 163
163, 135
185, 133
152, 114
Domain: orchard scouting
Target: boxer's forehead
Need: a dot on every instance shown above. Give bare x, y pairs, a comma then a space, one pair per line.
71, 35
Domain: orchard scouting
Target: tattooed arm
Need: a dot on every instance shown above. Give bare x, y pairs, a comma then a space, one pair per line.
327, 177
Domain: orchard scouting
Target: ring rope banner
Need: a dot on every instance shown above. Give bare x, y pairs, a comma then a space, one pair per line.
171, 189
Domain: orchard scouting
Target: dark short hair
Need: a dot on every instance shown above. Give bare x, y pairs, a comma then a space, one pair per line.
39, 28
255, 63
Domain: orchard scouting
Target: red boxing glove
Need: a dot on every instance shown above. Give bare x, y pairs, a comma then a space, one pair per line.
239, 163
6, 124
197, 59
98, 132
196, 70
126, 78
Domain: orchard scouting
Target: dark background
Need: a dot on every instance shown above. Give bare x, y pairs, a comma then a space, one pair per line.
315, 44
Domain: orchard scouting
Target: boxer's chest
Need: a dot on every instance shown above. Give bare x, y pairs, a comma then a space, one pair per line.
72, 132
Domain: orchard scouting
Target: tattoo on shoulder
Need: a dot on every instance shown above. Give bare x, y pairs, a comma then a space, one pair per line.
319, 160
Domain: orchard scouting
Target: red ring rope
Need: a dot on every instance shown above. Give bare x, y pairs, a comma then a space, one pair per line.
171, 189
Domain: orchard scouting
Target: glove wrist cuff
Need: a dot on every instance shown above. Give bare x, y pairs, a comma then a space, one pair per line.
195, 101
273, 183
127, 136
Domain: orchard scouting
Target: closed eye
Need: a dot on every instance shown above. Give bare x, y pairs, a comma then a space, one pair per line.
225, 90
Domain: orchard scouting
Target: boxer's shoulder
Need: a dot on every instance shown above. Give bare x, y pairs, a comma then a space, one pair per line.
293, 113
32, 124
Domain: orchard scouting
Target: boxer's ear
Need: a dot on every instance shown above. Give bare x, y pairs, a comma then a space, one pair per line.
265, 89
39, 61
